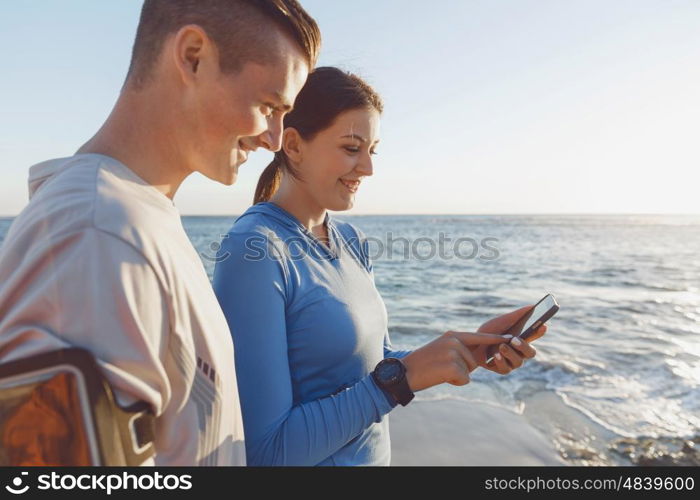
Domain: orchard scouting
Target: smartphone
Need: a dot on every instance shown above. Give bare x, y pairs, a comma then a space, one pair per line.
530, 321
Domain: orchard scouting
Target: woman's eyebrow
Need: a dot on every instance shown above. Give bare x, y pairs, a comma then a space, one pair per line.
354, 136
358, 137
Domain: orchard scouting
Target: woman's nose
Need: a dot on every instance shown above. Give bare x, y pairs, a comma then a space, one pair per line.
366, 167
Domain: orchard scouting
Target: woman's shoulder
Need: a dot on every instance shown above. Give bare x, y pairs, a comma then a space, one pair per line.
257, 233
355, 239
348, 230
256, 222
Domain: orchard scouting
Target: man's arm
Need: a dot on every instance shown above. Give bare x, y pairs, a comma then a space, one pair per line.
95, 291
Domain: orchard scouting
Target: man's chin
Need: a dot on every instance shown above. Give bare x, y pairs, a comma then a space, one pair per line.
230, 181
231, 178
227, 177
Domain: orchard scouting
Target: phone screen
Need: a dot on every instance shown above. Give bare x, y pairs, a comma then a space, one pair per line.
534, 315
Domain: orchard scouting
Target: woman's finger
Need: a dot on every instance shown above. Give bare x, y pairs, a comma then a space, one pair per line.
500, 364
515, 360
469, 338
468, 358
464, 354
523, 347
538, 333
504, 322
519, 313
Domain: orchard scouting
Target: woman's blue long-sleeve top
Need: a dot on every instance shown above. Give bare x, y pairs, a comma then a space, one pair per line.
308, 326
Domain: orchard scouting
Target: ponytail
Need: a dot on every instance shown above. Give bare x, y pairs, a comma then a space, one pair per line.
269, 180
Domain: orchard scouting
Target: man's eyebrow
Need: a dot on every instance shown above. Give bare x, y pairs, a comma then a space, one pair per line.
286, 107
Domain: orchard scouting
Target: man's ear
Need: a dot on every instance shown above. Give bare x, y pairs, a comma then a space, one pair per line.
190, 46
293, 144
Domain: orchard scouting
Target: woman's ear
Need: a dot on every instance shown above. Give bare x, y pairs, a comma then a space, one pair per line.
292, 144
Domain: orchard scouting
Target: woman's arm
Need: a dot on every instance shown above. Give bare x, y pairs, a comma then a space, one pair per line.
253, 295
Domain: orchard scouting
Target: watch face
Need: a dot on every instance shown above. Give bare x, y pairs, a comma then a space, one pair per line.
389, 371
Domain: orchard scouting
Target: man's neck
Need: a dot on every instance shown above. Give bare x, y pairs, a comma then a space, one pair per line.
140, 136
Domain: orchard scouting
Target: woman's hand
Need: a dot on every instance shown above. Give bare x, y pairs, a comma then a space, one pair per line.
510, 356
447, 359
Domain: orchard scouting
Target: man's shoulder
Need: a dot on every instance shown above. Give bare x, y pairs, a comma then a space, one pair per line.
95, 192
130, 209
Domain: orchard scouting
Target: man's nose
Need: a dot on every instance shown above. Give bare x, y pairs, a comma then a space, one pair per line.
272, 138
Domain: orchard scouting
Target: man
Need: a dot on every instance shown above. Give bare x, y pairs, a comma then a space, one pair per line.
99, 259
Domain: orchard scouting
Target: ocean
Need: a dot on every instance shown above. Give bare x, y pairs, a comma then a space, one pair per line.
622, 356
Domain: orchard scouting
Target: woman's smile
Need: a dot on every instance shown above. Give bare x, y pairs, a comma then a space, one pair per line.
351, 186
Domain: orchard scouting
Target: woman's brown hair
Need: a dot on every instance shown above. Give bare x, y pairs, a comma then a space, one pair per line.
328, 92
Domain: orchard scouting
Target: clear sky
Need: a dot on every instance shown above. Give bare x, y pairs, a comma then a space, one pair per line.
491, 106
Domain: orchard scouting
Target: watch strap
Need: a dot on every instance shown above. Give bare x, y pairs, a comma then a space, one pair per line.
400, 390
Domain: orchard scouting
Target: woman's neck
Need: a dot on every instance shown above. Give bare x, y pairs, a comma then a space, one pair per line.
297, 202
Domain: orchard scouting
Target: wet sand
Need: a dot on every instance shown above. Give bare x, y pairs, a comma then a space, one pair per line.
547, 432
455, 432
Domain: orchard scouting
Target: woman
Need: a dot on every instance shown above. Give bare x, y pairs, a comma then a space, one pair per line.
316, 371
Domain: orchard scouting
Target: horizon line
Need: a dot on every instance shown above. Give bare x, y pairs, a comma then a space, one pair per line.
455, 213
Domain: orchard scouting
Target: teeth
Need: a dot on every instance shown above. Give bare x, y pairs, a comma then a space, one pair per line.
352, 186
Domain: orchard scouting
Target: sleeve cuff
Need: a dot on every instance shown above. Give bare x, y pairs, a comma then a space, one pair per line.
397, 354
383, 401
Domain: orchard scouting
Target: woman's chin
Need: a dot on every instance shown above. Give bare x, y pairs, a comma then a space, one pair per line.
342, 205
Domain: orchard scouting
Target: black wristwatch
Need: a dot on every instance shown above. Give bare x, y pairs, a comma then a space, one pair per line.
390, 375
